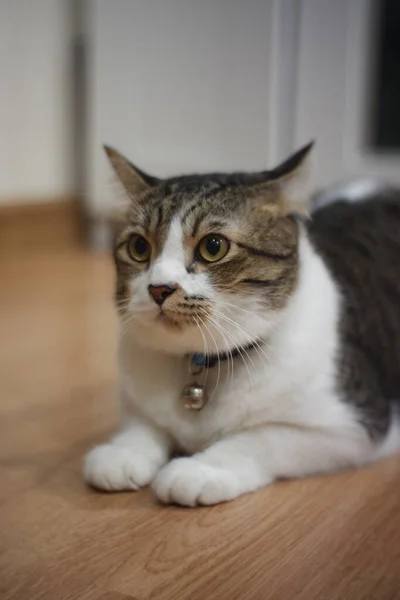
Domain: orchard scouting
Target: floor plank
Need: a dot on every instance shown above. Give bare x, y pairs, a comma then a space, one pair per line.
332, 537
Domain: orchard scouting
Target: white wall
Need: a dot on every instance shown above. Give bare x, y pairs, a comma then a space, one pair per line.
35, 100
181, 85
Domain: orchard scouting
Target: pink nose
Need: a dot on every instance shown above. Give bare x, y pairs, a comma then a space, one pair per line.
160, 293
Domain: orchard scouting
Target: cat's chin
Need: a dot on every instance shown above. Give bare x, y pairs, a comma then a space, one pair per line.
168, 335
171, 322
177, 334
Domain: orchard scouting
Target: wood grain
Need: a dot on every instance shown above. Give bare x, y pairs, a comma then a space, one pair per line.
334, 537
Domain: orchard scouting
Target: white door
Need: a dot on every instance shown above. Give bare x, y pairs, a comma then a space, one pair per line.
336, 75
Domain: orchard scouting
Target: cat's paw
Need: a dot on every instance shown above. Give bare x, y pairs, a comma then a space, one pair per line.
115, 468
189, 482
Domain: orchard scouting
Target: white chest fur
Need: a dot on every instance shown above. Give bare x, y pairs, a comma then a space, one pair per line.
294, 383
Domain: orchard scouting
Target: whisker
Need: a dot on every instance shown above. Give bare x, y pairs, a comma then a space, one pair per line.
249, 312
229, 352
205, 346
229, 305
257, 346
239, 348
243, 329
127, 322
219, 361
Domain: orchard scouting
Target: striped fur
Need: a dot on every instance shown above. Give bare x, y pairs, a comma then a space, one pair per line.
252, 210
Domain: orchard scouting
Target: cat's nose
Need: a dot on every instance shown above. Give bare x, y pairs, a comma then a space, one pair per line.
160, 293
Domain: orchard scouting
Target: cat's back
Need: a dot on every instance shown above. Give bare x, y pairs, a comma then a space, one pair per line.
360, 244
360, 239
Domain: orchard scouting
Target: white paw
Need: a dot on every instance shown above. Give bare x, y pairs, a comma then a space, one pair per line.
189, 482
115, 468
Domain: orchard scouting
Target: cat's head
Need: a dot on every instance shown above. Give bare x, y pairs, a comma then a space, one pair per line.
207, 263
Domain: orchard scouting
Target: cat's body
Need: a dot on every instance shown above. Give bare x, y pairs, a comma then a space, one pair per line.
360, 245
309, 390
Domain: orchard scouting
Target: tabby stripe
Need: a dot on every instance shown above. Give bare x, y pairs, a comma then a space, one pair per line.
197, 224
191, 208
147, 222
159, 216
259, 252
169, 206
216, 225
134, 225
261, 282
211, 192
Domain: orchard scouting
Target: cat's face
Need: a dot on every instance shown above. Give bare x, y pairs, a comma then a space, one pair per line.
205, 263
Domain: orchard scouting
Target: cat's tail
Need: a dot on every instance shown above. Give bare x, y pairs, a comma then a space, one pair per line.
355, 190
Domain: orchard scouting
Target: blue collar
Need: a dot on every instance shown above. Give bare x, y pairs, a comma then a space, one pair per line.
207, 361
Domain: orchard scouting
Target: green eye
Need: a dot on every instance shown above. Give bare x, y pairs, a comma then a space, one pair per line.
213, 247
139, 248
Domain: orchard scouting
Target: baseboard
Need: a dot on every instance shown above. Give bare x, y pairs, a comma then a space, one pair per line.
46, 225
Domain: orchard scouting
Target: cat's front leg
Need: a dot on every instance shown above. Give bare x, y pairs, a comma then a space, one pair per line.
249, 460
128, 461
227, 469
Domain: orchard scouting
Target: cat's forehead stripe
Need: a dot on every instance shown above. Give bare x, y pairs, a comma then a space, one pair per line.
190, 210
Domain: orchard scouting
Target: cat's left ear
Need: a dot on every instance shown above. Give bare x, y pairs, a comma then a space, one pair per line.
288, 186
134, 180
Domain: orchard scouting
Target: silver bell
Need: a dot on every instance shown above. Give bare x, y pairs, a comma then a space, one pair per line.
194, 396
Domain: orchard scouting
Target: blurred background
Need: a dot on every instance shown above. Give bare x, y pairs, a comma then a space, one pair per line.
176, 85
183, 85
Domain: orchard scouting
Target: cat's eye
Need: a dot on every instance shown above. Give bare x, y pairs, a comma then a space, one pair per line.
213, 247
139, 248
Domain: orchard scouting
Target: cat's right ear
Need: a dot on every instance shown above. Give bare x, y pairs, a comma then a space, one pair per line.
134, 181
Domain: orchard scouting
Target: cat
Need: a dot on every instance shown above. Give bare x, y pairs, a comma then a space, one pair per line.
256, 343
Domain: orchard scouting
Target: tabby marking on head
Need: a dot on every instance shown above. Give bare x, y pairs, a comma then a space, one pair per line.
254, 215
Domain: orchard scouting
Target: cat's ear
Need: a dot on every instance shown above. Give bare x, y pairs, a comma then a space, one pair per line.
134, 180
287, 188
132, 183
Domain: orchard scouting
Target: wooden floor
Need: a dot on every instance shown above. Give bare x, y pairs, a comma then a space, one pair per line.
332, 538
